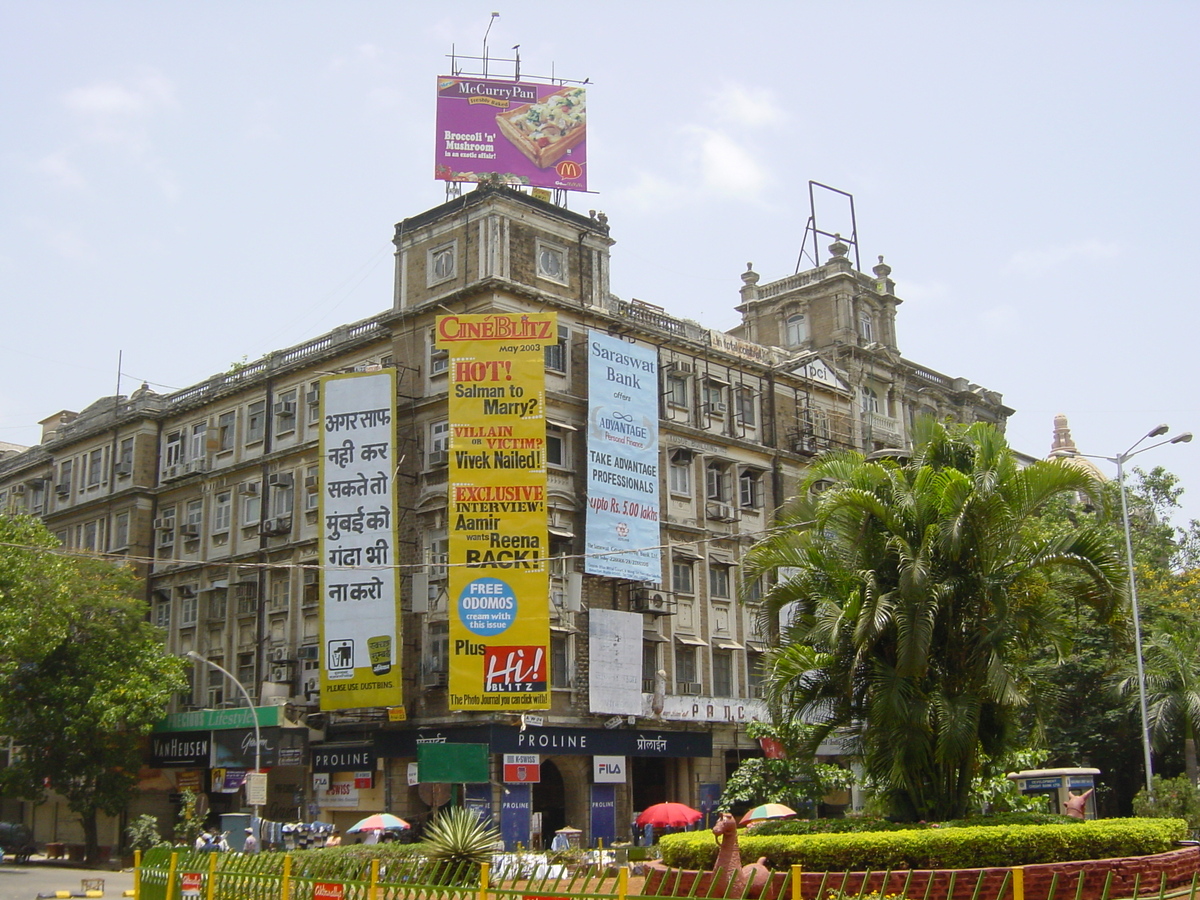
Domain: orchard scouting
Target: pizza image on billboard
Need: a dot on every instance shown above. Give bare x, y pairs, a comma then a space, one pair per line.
547, 130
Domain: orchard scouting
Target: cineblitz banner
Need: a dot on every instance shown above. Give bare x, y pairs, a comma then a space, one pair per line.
527, 133
622, 460
360, 608
499, 582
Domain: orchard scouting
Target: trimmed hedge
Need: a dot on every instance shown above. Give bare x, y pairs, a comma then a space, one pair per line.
937, 848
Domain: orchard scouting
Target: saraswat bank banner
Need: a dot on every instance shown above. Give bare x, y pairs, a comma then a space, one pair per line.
499, 583
527, 133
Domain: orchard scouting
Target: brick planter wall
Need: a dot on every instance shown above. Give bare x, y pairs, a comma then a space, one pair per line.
1179, 867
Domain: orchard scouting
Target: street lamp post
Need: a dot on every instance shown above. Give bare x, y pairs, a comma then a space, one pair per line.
192, 654
1120, 459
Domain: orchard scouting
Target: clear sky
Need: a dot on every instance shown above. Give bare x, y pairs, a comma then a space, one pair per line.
194, 183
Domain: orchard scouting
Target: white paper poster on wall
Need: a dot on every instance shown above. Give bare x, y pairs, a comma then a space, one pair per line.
622, 460
615, 649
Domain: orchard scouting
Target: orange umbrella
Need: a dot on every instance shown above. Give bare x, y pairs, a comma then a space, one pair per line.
668, 815
767, 811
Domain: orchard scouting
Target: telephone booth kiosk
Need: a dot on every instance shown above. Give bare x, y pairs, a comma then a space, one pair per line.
1058, 786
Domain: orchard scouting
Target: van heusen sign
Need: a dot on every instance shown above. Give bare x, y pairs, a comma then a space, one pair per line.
186, 751
552, 741
344, 758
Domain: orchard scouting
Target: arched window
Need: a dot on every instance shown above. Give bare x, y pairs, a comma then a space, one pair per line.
796, 331
870, 401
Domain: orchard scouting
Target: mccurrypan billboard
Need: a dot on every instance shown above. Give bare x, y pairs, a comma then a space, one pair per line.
533, 134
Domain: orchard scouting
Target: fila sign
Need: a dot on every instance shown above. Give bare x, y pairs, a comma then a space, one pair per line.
608, 769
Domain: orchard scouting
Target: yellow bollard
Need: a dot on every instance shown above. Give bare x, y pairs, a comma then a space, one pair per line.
622, 882
171, 873
285, 884
796, 885
1018, 874
484, 869
137, 872
211, 887
373, 894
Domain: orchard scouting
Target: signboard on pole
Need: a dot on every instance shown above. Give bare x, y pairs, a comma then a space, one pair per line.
256, 788
499, 582
360, 595
622, 460
525, 132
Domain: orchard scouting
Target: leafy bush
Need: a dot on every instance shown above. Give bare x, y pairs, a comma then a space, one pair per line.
1174, 798
939, 848
848, 825
142, 833
1012, 818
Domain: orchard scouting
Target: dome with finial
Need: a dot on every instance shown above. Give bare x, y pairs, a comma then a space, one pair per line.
1063, 447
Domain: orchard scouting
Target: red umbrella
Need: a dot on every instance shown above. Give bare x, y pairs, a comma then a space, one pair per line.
668, 815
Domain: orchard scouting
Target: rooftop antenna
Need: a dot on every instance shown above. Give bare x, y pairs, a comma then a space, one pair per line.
491, 22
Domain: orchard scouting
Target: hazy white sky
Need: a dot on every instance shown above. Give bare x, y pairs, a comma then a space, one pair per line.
193, 183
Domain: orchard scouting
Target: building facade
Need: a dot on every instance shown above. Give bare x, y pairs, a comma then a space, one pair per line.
212, 492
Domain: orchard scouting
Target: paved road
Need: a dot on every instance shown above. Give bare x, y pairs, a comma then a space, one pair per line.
25, 882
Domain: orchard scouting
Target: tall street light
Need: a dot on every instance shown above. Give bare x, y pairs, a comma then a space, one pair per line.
1120, 459
192, 654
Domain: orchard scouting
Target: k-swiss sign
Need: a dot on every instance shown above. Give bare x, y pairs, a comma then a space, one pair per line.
522, 768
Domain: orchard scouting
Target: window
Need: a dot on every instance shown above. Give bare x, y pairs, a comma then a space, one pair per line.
174, 451
870, 400
718, 580
715, 481
218, 603
866, 327
677, 390
750, 489
560, 661
222, 511
556, 445
437, 648
195, 513
125, 457
680, 473
226, 430
312, 481
552, 262
795, 330
745, 407
162, 613
121, 531
685, 663
166, 526
256, 421
441, 264
251, 507
439, 442
216, 683
714, 398
681, 576
722, 680
280, 591
439, 360
199, 447
64, 477
91, 534
556, 354
438, 556
95, 467
312, 399
650, 665
245, 668
281, 500
754, 672
285, 413
189, 605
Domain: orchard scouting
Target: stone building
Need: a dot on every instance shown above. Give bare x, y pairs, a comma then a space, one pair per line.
212, 493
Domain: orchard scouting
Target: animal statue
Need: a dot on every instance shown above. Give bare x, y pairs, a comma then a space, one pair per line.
731, 877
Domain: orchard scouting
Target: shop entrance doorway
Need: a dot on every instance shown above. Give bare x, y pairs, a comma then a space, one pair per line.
550, 799
649, 775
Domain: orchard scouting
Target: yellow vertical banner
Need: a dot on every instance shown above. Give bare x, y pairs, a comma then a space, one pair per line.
499, 582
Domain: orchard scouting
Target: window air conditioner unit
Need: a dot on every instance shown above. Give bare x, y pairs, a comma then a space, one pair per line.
248, 487
715, 409
683, 368
439, 457
691, 688
655, 602
276, 525
170, 473
62, 488
281, 480
18, 490
720, 512
307, 652
757, 690
435, 679
285, 409
186, 590
123, 468
189, 531
196, 465
313, 397
311, 483
648, 685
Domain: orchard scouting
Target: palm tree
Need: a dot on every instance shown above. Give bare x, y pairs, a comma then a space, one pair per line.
1172, 664
913, 590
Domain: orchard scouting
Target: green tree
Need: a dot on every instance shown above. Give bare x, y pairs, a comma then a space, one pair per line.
1171, 659
796, 780
915, 591
78, 705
